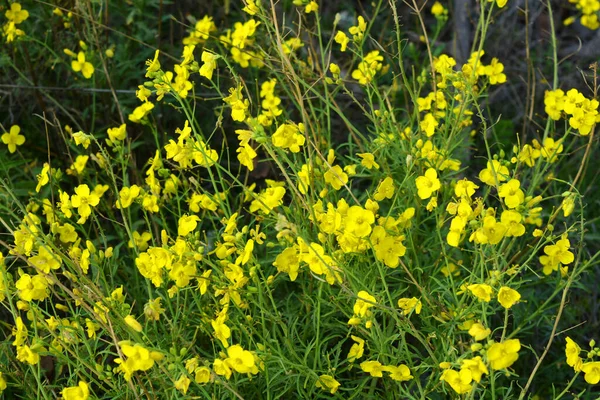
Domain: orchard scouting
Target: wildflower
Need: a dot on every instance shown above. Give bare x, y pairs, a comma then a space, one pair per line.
83, 200
428, 184
592, 372
28, 355
409, 305
368, 160
363, 303
551, 149
482, 291
12, 138
118, 133
437, 9
479, 332
16, 14
572, 351
127, 195
512, 221
45, 261
210, 63
508, 297
182, 384
385, 190
398, 373
202, 375
141, 112
494, 172
238, 105
43, 178
79, 392
187, 224
336, 177
83, 66
372, 367
222, 331
503, 355
494, 70
511, 193
139, 358
341, 39
357, 349
289, 136
32, 288
246, 156
358, 30
476, 366
201, 32
132, 323
2, 383
428, 124
460, 382
555, 255
240, 360
359, 221
252, 7
311, 7
153, 309
327, 382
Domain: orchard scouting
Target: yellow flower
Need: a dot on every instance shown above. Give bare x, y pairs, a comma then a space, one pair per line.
187, 224
2, 383
45, 260
479, 332
32, 288
83, 200
555, 255
341, 39
336, 177
327, 382
139, 358
43, 178
428, 124
460, 382
508, 297
202, 375
501, 3
363, 303
385, 190
240, 360
311, 7
127, 195
400, 373
409, 305
83, 66
359, 221
182, 384
141, 112
16, 14
428, 184
482, 291
511, 193
79, 392
494, 172
210, 63
357, 350
372, 367
592, 372
26, 354
572, 351
289, 136
118, 133
368, 160
503, 355
13, 139
476, 366
133, 324
438, 9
